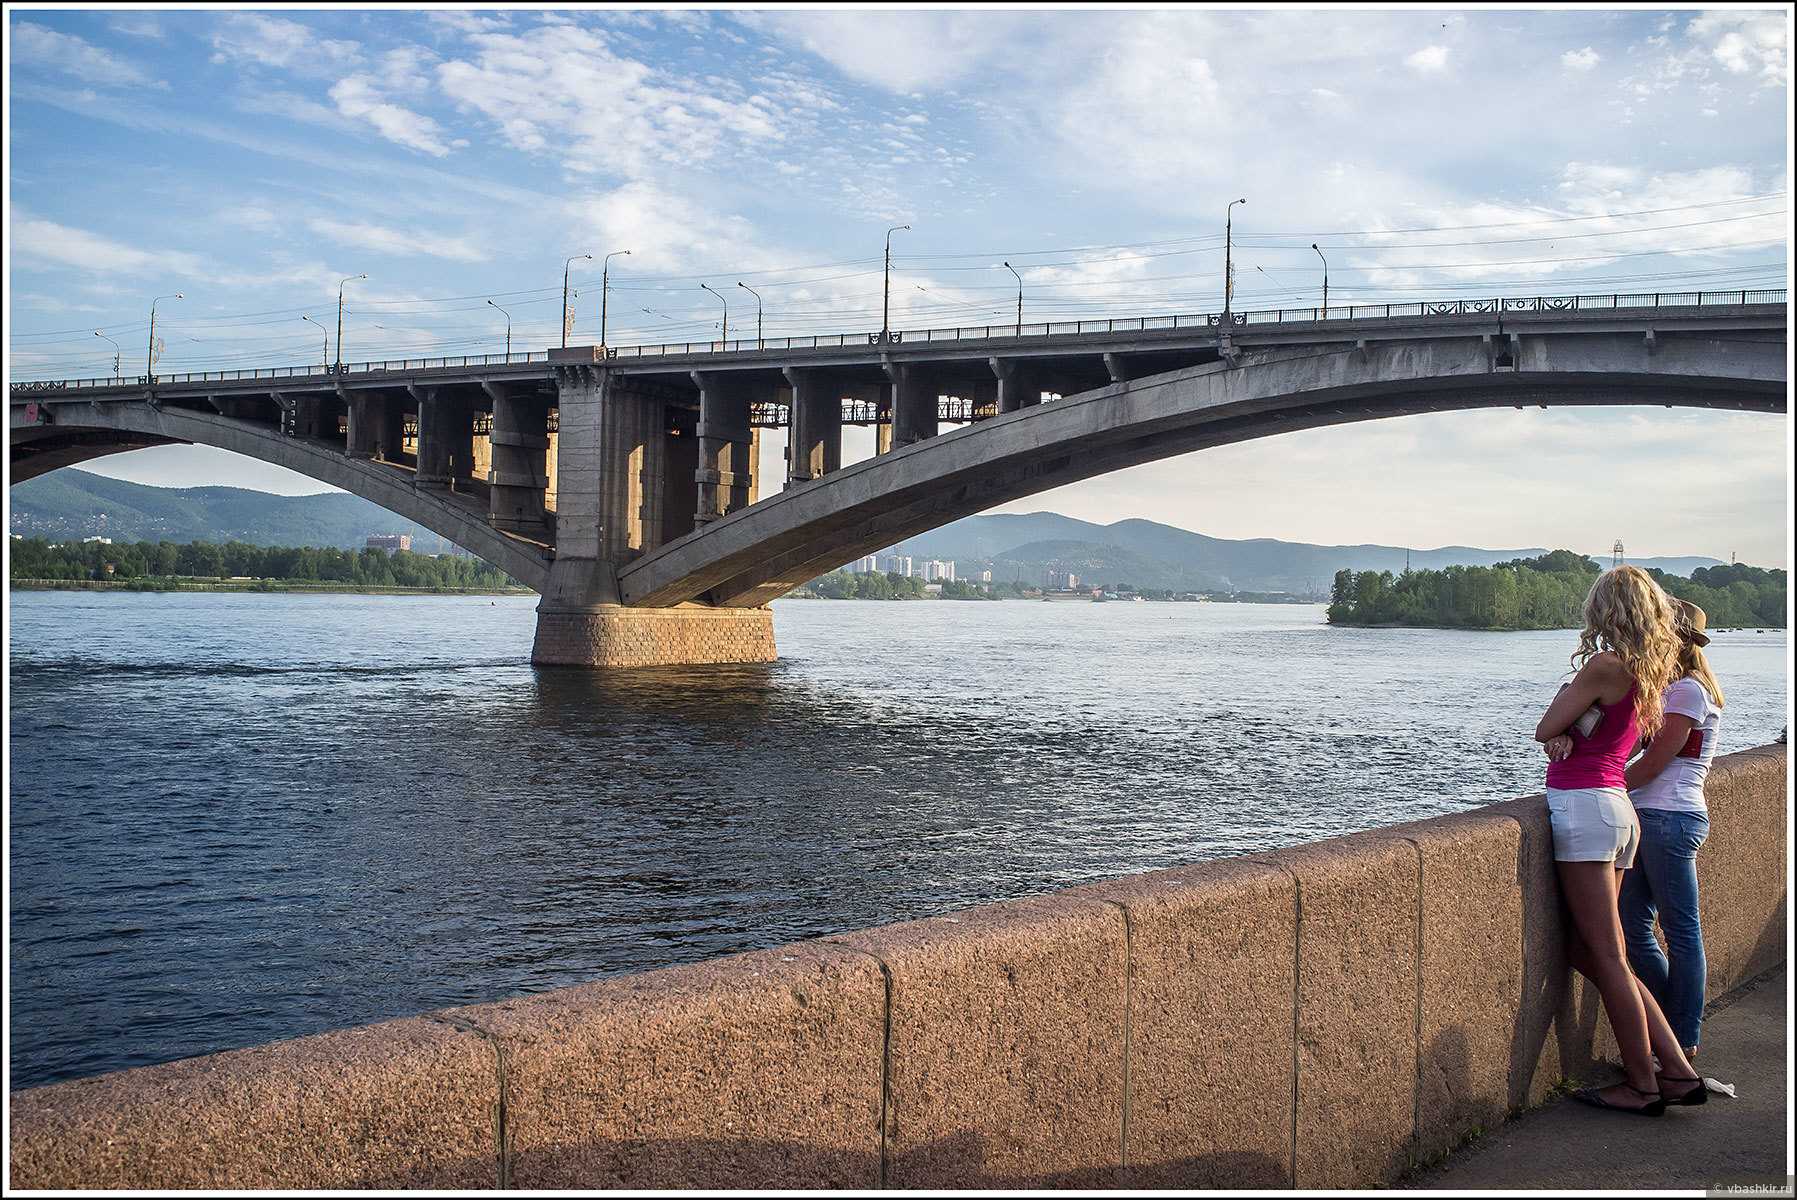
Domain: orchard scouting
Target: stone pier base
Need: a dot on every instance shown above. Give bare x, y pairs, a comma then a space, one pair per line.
613, 636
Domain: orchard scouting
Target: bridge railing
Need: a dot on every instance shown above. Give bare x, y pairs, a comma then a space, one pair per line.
1039, 331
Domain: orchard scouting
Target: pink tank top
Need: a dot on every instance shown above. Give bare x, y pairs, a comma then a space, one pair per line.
1599, 760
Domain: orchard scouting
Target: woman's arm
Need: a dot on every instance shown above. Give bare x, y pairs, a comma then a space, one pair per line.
1586, 688
1662, 750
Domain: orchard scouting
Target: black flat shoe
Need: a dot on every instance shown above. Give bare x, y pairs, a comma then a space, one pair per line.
1655, 1107
1697, 1095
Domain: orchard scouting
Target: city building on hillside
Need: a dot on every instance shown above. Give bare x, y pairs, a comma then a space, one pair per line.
390, 542
899, 564
1059, 579
936, 571
863, 566
986, 576
104, 541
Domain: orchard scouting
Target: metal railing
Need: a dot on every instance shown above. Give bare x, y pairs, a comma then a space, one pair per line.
1038, 331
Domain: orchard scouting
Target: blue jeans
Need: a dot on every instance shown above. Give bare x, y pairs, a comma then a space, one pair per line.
1663, 882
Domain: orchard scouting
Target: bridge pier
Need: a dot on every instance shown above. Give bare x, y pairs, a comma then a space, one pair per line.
623, 468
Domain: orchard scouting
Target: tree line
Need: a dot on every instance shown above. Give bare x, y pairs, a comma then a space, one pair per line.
1541, 593
36, 558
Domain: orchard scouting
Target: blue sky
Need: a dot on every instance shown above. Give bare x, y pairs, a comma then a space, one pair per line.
250, 159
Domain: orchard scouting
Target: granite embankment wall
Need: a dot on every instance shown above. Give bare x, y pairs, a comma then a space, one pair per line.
1321, 1016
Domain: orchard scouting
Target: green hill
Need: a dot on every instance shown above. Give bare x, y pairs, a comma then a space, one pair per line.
71, 503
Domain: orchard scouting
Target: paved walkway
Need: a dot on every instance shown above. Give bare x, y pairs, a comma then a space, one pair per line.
1569, 1146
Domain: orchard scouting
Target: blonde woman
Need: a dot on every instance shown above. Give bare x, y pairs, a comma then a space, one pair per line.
1666, 785
1628, 652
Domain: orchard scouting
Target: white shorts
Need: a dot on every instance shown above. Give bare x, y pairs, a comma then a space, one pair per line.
1593, 825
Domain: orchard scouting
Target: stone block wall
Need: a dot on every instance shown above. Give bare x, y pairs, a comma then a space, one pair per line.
613, 636
1318, 1017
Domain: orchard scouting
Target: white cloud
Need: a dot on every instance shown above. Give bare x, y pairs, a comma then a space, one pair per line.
138, 24
357, 97
397, 242
35, 45
273, 42
900, 51
1580, 60
564, 88
61, 245
1745, 41
1429, 60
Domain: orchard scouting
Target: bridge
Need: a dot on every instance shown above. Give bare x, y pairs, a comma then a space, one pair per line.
622, 483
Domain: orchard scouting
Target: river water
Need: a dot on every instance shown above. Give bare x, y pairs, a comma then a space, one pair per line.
236, 818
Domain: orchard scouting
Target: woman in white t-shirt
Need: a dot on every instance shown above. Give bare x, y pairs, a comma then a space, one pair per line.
1666, 784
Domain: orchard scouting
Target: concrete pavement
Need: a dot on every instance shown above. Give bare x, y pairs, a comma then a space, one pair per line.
1571, 1147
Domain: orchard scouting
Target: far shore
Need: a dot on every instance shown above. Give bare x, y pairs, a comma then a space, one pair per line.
250, 585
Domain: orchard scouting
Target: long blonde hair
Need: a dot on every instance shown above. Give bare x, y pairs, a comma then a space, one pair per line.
1627, 614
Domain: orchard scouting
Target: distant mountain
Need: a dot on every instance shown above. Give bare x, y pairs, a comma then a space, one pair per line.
1022, 545
72, 503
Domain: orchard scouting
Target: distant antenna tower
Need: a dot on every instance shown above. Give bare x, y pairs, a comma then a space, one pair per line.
1616, 555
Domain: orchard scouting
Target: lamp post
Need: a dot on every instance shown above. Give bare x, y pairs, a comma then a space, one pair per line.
1319, 251
565, 267
724, 339
508, 332
340, 318
745, 287
605, 290
150, 357
116, 353
886, 303
1228, 256
1013, 270
327, 339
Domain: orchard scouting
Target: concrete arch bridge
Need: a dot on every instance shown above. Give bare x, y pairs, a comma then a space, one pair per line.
622, 484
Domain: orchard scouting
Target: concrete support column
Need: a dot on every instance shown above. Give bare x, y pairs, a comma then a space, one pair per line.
913, 403
816, 444
390, 426
725, 475
434, 440
519, 473
1017, 385
364, 424
633, 463
455, 417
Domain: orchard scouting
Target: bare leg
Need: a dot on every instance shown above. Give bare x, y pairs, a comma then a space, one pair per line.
1590, 891
1660, 1036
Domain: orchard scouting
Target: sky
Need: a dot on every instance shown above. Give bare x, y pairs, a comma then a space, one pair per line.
251, 159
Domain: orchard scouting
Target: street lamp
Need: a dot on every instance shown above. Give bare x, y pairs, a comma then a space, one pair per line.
605, 290
1228, 258
508, 332
116, 353
886, 304
724, 340
565, 267
745, 287
1013, 270
150, 358
340, 318
1319, 251
327, 339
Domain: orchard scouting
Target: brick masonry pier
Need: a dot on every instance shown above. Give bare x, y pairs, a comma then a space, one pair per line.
1319, 1017
612, 636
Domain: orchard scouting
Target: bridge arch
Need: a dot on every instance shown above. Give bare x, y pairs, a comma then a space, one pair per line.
113, 428
768, 548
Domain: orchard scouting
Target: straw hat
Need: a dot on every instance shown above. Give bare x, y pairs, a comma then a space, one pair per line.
1690, 620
